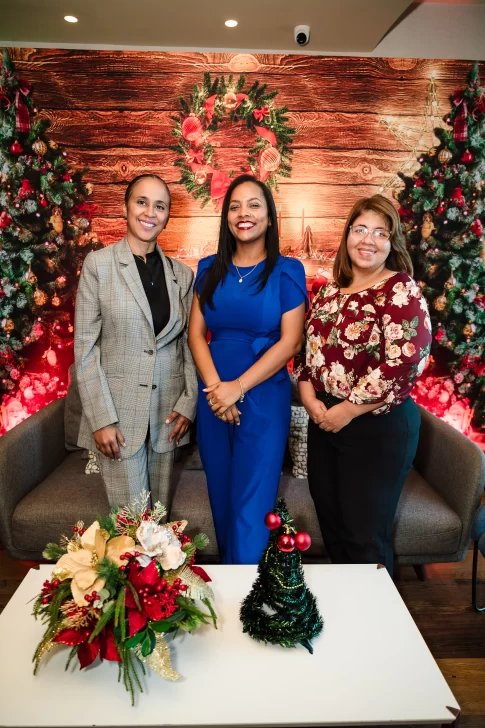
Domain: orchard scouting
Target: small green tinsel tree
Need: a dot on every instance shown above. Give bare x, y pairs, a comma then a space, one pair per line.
280, 608
443, 213
44, 238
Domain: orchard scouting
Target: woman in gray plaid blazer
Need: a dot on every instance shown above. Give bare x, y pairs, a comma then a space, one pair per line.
137, 380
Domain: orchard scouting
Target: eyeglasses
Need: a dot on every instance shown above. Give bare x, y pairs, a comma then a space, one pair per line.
379, 235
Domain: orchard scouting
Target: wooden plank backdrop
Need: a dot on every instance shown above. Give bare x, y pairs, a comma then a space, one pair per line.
112, 111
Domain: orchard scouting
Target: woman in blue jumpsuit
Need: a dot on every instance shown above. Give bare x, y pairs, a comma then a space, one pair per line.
252, 301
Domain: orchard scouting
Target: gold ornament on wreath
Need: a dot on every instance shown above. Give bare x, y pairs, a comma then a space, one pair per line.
451, 282
39, 147
8, 325
223, 101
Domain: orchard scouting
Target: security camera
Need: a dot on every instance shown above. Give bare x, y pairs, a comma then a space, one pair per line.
302, 34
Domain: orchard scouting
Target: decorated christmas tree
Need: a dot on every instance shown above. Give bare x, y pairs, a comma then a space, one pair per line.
443, 212
44, 237
280, 608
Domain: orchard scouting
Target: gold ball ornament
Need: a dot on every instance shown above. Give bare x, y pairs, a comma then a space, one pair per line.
440, 303
427, 227
445, 155
450, 283
56, 301
8, 325
40, 297
39, 147
56, 220
30, 277
469, 329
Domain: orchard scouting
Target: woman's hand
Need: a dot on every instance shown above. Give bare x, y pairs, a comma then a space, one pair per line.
338, 417
316, 409
222, 395
181, 426
108, 439
231, 415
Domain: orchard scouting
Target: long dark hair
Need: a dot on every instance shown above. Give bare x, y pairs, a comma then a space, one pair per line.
398, 258
219, 269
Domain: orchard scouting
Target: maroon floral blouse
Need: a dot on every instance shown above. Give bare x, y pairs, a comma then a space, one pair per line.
367, 347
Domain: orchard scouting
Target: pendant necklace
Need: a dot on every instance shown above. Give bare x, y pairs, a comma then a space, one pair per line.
246, 274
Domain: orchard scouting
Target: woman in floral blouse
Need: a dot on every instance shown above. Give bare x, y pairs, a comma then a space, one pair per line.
368, 337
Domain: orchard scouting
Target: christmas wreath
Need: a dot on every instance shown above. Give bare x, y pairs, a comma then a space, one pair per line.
220, 101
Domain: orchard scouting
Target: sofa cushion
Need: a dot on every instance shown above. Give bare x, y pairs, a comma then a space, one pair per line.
51, 510
425, 523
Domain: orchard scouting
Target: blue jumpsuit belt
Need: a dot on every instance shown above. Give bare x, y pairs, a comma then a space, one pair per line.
259, 345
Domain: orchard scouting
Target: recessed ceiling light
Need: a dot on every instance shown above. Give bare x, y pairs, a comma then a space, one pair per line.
70, 18
231, 23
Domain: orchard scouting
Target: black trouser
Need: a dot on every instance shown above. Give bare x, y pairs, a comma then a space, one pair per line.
356, 477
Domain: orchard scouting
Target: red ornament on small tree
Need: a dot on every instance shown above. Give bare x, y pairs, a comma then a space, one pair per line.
286, 543
302, 541
26, 189
5, 219
16, 148
272, 521
467, 157
457, 197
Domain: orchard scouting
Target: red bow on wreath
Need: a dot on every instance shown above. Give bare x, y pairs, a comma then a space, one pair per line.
460, 128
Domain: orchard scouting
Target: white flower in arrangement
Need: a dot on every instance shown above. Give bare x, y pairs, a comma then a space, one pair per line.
159, 541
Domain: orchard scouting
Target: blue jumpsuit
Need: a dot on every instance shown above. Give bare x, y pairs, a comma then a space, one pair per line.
243, 463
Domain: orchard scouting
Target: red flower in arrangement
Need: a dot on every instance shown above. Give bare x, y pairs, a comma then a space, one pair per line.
405, 214
259, 114
420, 183
156, 597
440, 335
103, 644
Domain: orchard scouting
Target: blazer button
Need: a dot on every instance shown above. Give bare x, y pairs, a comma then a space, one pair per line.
154, 386
148, 351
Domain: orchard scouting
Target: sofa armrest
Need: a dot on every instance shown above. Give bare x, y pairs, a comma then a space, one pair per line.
28, 453
453, 465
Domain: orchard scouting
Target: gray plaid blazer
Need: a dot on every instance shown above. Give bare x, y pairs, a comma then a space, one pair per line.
126, 375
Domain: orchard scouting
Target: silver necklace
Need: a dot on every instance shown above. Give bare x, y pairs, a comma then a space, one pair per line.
246, 274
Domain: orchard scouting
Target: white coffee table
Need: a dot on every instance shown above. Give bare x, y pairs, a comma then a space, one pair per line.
370, 666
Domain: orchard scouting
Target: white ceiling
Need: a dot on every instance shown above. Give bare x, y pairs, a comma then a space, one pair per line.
337, 26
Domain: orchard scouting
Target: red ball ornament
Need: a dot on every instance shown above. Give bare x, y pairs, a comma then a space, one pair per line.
477, 227
457, 197
302, 541
5, 219
440, 209
16, 148
191, 128
44, 202
286, 543
26, 189
272, 521
467, 157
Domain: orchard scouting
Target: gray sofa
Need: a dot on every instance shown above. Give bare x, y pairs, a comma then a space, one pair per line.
44, 491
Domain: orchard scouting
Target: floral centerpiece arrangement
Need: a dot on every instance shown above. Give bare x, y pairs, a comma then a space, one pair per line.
118, 587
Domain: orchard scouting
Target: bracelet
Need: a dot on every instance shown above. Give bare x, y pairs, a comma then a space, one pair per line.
241, 398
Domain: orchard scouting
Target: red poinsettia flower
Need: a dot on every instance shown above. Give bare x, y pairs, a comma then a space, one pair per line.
103, 645
156, 597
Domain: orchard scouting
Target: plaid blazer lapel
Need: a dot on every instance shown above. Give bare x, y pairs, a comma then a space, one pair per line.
173, 290
129, 271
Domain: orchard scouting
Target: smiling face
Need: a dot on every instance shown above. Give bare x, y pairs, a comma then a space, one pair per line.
368, 254
247, 216
147, 211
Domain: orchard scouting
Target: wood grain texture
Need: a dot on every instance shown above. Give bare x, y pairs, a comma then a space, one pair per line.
113, 110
